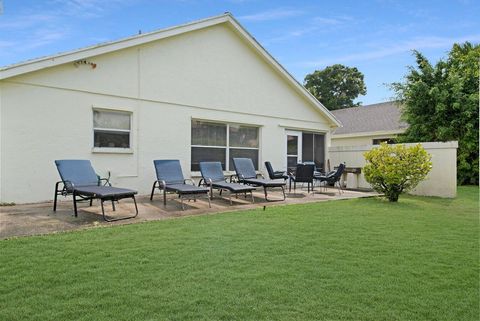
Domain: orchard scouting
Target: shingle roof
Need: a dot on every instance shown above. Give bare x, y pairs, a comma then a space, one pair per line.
370, 118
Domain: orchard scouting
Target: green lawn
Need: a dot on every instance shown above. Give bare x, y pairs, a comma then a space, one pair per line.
363, 259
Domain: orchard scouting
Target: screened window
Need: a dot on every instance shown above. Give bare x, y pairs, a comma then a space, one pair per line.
111, 129
222, 142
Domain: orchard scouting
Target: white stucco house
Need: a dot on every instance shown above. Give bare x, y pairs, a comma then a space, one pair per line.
368, 125
205, 90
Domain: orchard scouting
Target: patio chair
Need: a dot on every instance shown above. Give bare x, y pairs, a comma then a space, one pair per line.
303, 174
275, 174
333, 178
212, 176
170, 179
80, 180
246, 174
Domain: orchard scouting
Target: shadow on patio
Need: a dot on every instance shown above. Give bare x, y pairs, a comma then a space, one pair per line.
39, 218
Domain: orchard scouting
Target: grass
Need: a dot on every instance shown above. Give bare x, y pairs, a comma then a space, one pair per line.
363, 259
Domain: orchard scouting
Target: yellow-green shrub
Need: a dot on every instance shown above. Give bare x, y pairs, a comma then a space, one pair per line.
393, 169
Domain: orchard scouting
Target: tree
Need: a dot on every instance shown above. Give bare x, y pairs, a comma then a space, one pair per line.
336, 86
441, 103
393, 169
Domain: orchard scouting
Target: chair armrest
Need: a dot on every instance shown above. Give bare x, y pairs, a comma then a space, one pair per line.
106, 180
232, 177
161, 184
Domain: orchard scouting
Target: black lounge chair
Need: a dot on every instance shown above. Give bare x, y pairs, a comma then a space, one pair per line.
246, 174
303, 174
212, 176
80, 180
333, 178
170, 179
275, 174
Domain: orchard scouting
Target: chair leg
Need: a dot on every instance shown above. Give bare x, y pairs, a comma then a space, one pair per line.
113, 205
55, 198
91, 201
153, 190
251, 195
121, 218
164, 197
75, 203
103, 210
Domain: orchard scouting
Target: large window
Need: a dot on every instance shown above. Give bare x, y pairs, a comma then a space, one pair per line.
222, 142
111, 129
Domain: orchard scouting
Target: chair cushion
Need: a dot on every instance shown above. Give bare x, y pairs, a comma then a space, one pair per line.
244, 168
105, 191
265, 182
233, 187
186, 189
77, 171
212, 171
169, 170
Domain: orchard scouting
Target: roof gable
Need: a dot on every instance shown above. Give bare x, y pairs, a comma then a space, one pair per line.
99, 49
382, 117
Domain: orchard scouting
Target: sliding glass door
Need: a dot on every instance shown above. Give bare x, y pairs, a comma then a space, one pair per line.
305, 147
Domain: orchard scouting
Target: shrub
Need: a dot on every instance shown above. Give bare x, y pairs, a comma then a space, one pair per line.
393, 169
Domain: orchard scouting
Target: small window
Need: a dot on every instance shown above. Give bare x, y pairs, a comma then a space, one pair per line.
378, 141
111, 129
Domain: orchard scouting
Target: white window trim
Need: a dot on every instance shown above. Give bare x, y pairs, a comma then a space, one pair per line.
227, 146
114, 150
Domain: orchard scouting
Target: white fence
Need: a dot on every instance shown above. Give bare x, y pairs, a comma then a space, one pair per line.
441, 181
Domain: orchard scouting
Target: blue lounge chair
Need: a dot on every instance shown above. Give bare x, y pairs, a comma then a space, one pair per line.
212, 176
80, 180
170, 179
246, 174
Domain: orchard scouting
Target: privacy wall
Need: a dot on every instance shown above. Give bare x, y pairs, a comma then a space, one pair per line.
441, 181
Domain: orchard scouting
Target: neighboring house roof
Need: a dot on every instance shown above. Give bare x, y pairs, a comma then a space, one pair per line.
382, 118
102, 48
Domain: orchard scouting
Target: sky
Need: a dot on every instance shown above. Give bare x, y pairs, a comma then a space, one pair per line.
376, 36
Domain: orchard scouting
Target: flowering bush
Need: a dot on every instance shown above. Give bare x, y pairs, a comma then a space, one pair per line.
393, 169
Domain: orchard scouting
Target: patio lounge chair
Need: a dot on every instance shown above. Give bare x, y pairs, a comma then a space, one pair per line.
333, 177
246, 174
212, 176
80, 180
303, 174
170, 179
275, 174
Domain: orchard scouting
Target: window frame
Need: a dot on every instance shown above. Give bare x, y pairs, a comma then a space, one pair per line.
113, 150
227, 146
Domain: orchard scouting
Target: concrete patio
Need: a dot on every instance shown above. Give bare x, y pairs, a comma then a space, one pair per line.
39, 218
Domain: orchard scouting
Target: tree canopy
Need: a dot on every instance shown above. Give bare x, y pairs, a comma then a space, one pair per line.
336, 86
441, 102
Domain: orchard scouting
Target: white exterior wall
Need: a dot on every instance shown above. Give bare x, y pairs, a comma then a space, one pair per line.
441, 181
358, 140
209, 74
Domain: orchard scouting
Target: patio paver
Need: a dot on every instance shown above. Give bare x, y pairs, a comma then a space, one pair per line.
39, 218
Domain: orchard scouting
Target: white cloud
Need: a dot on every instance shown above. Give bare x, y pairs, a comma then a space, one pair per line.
313, 25
382, 51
